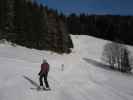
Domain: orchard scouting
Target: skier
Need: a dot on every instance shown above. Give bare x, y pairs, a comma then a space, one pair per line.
43, 74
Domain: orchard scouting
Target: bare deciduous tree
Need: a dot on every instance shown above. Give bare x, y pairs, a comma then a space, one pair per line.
117, 56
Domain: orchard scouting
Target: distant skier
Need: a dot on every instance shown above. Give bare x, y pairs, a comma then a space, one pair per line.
43, 74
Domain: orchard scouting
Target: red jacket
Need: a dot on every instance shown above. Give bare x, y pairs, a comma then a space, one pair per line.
44, 68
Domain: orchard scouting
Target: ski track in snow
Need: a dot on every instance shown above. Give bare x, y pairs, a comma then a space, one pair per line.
80, 80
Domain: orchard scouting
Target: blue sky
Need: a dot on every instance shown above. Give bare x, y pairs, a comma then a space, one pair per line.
122, 7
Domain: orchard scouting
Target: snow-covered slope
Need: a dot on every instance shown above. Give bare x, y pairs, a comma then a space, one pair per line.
82, 77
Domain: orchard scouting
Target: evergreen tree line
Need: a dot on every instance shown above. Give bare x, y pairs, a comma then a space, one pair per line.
33, 25
110, 27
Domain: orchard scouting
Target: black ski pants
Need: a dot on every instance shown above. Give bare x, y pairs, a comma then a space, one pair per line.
44, 76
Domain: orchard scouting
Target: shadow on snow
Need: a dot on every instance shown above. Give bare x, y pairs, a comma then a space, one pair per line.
103, 66
97, 64
31, 81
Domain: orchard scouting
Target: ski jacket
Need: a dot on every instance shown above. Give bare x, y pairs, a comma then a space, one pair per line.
44, 68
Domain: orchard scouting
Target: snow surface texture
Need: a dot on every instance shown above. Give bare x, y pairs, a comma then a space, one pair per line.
77, 76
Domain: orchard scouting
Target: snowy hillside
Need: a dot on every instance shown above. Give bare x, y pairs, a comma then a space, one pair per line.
82, 77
